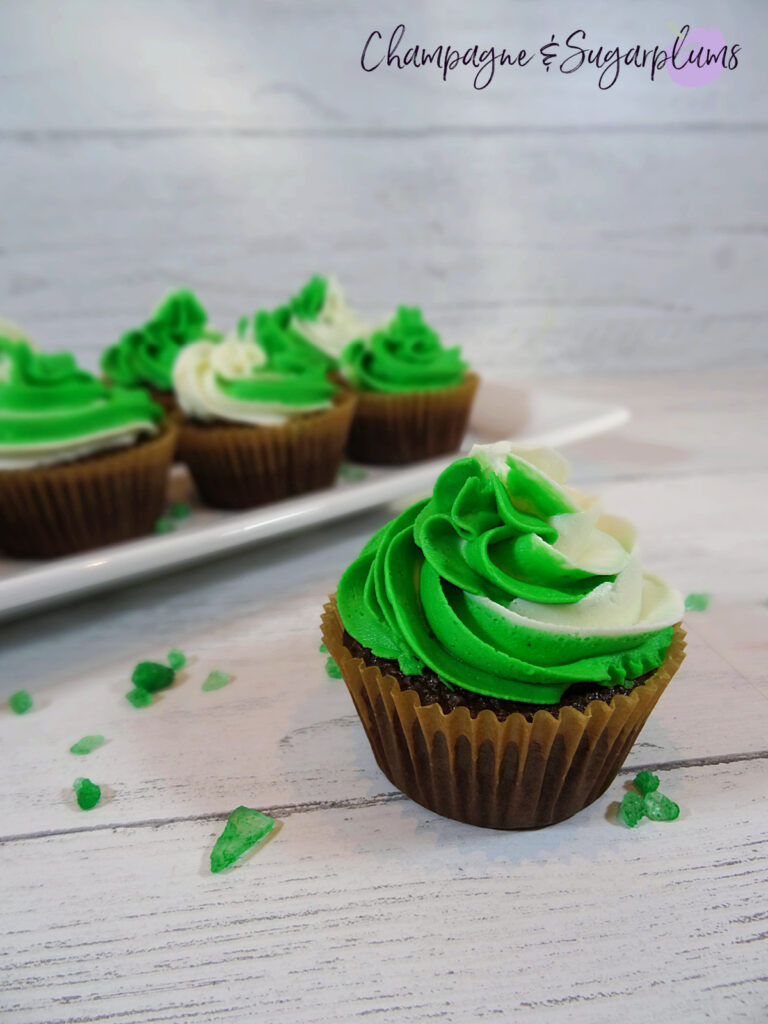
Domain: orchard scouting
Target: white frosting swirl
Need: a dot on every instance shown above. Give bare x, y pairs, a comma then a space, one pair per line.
336, 324
199, 367
636, 601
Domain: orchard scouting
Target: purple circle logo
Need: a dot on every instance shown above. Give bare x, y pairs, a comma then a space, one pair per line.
697, 56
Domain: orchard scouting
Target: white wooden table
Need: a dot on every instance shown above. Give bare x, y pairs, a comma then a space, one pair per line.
365, 905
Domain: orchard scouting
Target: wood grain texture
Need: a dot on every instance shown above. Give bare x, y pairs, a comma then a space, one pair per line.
390, 912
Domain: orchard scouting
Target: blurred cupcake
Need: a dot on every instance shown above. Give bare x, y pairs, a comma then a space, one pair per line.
321, 315
502, 643
144, 356
261, 422
81, 464
414, 395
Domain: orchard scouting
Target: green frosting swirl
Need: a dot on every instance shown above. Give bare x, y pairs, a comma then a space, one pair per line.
145, 355
309, 301
438, 586
273, 332
405, 356
46, 399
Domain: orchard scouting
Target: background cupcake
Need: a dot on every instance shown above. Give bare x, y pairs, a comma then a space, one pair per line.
414, 395
502, 643
261, 421
82, 464
144, 356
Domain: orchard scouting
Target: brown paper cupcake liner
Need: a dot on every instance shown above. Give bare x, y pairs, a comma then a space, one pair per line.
390, 429
513, 774
74, 506
241, 466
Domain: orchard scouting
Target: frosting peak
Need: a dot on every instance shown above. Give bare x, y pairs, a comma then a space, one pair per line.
509, 583
322, 316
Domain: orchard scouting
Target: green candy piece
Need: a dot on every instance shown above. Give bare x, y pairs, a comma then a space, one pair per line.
152, 676
697, 602
164, 525
88, 793
332, 669
216, 680
631, 809
323, 649
244, 828
347, 472
20, 702
176, 659
139, 698
86, 745
179, 510
660, 808
646, 782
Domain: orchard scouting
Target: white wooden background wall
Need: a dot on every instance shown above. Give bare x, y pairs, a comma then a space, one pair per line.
235, 145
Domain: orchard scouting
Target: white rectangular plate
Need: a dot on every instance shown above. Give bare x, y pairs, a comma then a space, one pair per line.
501, 410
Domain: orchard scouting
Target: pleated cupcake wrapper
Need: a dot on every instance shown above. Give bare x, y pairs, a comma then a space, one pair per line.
389, 429
240, 466
110, 497
513, 774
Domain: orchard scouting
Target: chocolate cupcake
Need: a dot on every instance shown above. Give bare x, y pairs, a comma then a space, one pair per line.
414, 395
81, 464
261, 421
144, 356
502, 643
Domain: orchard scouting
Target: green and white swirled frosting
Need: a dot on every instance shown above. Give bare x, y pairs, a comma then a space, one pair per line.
51, 411
321, 314
256, 376
508, 583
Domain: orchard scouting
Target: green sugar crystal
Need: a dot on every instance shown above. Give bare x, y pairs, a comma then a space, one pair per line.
216, 680
86, 745
332, 669
697, 602
138, 697
631, 809
347, 472
20, 702
646, 782
176, 659
152, 676
88, 793
323, 649
244, 828
179, 510
660, 808
164, 525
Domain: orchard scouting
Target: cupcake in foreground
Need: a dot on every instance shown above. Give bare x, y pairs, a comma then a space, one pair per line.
144, 356
502, 643
321, 315
81, 464
414, 395
261, 422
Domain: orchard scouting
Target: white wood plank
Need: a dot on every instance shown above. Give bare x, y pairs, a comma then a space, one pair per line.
584, 256
389, 911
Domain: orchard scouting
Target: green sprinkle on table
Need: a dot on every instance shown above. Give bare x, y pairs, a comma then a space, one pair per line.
152, 676
697, 602
88, 793
646, 782
139, 698
215, 680
179, 510
660, 808
244, 828
631, 809
332, 669
176, 659
323, 649
164, 525
347, 472
86, 745
20, 702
